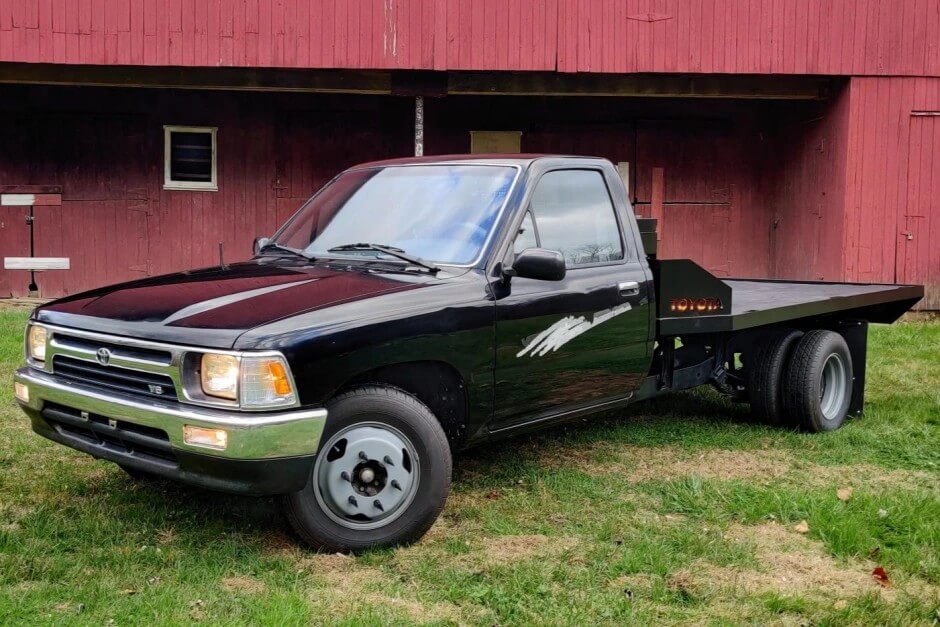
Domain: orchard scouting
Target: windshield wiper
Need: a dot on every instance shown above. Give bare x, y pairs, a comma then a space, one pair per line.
388, 250
286, 249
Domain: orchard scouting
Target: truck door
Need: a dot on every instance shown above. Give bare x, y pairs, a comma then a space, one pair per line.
584, 340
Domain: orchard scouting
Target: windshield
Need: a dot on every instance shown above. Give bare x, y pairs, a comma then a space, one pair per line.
441, 213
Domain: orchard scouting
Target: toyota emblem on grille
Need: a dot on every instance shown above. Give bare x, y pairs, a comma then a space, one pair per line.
104, 356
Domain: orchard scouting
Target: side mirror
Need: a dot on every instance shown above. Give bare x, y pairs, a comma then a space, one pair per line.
260, 242
540, 264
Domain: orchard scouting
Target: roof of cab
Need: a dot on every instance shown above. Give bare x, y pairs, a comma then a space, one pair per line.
523, 160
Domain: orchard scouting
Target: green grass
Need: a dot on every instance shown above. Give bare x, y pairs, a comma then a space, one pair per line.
678, 510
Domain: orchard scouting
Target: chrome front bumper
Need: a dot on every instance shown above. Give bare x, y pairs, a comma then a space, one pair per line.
251, 436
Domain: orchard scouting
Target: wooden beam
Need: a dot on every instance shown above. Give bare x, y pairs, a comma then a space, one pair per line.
240, 79
639, 85
424, 83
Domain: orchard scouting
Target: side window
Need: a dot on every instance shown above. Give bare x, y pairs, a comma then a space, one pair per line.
575, 216
526, 237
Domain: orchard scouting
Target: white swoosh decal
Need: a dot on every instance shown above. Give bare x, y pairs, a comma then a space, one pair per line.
222, 301
566, 329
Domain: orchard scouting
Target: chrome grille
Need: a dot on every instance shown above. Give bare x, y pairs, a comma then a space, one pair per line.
114, 377
132, 366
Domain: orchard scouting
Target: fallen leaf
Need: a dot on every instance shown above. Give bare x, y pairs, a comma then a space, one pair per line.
196, 611
803, 527
844, 494
493, 495
881, 577
882, 513
129, 592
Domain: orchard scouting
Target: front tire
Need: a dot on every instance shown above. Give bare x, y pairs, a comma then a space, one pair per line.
381, 477
818, 385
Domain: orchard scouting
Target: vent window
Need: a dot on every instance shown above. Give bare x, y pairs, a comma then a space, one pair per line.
190, 158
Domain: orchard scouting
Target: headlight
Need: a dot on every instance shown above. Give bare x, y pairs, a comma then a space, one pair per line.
36, 342
255, 382
219, 375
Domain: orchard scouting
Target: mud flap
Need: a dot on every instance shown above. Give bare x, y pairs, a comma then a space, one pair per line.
855, 334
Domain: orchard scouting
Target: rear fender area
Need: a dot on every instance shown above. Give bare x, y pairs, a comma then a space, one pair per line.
683, 362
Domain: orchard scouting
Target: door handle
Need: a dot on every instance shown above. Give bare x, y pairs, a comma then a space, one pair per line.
628, 288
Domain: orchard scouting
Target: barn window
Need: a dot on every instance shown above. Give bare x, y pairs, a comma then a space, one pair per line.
189, 158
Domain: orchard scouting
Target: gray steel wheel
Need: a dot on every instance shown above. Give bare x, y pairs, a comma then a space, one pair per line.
833, 387
381, 476
367, 476
817, 386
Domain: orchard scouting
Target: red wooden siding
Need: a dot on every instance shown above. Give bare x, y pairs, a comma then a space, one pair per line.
14, 236
116, 222
711, 210
891, 184
836, 37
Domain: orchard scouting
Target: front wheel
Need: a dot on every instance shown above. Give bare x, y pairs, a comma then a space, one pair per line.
381, 476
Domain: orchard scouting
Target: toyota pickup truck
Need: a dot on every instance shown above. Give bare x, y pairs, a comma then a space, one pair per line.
416, 307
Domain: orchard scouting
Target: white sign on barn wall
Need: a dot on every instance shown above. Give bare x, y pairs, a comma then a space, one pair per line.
36, 263
17, 200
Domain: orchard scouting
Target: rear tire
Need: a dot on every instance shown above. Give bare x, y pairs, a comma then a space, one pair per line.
381, 477
765, 382
817, 390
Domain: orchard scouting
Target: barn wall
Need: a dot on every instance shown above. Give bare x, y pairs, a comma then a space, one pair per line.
105, 149
892, 218
837, 37
842, 189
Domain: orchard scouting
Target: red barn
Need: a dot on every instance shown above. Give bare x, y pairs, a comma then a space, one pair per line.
796, 139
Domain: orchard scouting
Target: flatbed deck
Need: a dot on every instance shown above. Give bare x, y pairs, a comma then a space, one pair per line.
760, 302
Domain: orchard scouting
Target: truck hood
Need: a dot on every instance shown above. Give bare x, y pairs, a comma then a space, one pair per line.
213, 306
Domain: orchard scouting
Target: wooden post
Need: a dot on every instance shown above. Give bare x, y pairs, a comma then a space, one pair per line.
419, 126
657, 196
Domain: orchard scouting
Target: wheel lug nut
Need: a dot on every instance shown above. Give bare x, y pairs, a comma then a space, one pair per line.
395, 484
345, 476
388, 461
363, 456
353, 501
378, 505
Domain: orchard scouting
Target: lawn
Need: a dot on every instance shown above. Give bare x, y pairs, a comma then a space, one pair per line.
678, 510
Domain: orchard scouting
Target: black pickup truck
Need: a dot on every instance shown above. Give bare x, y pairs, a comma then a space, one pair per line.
416, 307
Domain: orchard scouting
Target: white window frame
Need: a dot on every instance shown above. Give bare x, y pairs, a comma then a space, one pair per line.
211, 185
